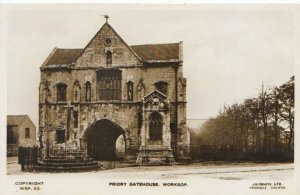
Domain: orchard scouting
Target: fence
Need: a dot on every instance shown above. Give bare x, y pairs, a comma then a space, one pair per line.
12, 150
27, 156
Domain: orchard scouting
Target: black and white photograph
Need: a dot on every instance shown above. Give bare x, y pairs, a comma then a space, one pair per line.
195, 99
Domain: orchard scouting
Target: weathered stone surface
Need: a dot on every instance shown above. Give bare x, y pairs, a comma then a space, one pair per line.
131, 115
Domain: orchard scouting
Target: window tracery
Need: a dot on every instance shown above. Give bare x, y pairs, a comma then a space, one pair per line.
155, 126
109, 84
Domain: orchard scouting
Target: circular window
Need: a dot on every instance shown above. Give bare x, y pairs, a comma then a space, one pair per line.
108, 41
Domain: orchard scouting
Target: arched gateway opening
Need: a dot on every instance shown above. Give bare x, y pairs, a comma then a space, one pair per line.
101, 139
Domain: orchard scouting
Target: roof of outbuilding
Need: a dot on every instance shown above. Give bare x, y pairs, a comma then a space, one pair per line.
63, 56
159, 52
16, 119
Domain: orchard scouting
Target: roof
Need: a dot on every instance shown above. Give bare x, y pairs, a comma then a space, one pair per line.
18, 119
63, 56
148, 53
157, 52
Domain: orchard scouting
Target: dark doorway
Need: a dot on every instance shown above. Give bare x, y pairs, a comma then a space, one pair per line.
101, 139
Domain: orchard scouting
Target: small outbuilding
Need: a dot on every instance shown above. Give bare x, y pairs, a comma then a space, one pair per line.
21, 131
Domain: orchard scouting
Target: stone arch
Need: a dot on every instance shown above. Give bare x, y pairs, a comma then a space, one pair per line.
100, 139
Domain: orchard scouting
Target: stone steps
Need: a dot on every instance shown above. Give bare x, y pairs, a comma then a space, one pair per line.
129, 160
67, 164
70, 160
66, 160
60, 160
155, 156
81, 168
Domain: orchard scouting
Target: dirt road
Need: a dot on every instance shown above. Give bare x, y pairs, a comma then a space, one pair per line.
207, 170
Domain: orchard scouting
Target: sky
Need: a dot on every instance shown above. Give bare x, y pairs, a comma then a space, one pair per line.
228, 50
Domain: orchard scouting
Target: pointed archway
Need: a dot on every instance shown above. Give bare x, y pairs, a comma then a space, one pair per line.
101, 137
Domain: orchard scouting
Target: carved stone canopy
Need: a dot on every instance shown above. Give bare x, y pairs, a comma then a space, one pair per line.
156, 101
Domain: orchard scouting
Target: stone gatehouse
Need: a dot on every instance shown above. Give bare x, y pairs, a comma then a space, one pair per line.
114, 100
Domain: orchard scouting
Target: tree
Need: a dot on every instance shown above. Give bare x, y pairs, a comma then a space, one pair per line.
264, 112
287, 91
275, 107
256, 125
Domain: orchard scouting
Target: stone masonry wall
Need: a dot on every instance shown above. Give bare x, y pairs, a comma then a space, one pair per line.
22, 141
95, 52
124, 113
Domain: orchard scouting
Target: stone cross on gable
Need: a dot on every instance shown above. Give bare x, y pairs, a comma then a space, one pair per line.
69, 107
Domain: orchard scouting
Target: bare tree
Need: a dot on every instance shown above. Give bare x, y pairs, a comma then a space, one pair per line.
287, 112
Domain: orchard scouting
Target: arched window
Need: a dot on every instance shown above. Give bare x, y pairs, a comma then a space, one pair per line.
88, 92
108, 58
109, 84
61, 92
155, 126
162, 87
130, 91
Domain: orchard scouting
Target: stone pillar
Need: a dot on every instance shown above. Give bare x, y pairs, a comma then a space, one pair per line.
143, 132
166, 130
83, 146
127, 144
147, 127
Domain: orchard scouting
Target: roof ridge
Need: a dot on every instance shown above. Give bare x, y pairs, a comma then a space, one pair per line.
155, 44
16, 115
21, 119
134, 53
69, 48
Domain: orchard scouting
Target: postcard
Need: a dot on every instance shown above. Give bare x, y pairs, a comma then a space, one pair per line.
165, 99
